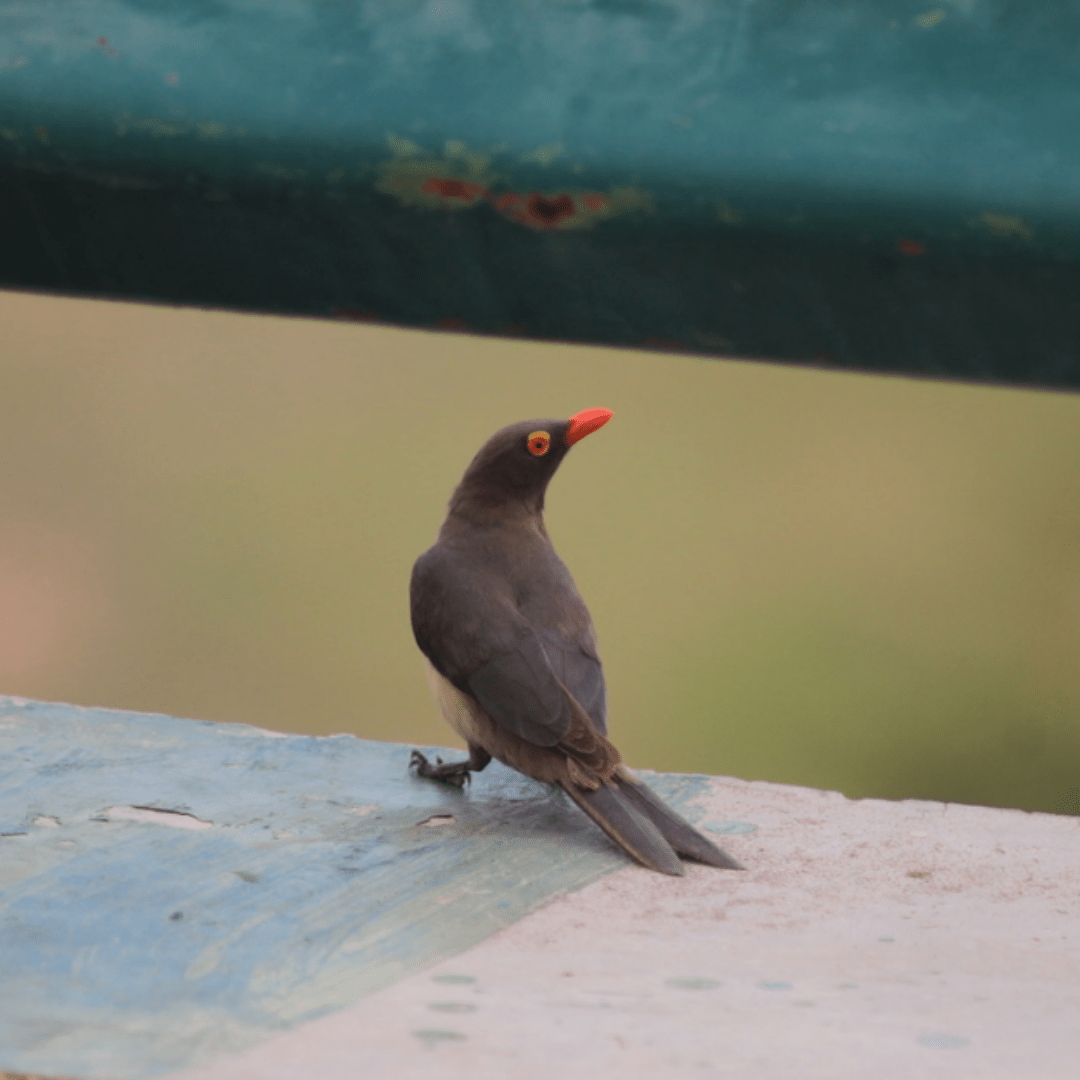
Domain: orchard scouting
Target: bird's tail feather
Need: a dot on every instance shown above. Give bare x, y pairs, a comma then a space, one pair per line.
630, 828
676, 830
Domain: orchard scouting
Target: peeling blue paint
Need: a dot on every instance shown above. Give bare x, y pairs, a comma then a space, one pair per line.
260, 881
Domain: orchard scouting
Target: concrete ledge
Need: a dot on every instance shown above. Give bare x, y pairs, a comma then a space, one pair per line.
866, 939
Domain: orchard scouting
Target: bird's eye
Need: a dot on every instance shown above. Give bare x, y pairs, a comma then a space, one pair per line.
538, 443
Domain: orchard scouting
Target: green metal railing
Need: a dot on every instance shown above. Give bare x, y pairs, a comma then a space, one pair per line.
883, 186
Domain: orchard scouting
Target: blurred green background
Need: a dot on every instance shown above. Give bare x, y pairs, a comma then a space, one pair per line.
854, 582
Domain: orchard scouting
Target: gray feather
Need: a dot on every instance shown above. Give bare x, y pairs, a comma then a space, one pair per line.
628, 827
678, 832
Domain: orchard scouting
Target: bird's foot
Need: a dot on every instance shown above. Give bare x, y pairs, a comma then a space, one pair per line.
455, 773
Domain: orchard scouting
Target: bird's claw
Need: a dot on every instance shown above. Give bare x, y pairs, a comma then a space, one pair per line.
456, 774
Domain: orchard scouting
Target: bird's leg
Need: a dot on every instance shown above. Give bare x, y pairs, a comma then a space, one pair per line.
455, 773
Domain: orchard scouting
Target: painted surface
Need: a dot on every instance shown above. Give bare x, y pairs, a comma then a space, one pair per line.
867, 940
171, 890
875, 186
463, 180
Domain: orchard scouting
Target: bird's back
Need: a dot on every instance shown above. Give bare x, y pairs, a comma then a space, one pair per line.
477, 591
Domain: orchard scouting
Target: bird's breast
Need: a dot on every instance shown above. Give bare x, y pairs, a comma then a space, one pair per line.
462, 714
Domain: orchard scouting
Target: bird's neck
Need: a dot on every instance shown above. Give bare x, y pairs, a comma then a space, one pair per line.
467, 512
480, 505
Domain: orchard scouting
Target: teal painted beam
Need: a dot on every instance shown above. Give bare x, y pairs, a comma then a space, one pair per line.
172, 890
886, 187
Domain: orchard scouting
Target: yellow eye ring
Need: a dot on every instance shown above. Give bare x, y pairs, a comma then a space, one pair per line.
538, 442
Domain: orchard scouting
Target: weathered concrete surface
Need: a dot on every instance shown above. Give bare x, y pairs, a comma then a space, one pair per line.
867, 939
172, 890
898, 941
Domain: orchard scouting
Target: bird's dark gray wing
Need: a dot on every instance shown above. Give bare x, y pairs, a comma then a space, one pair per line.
520, 691
580, 672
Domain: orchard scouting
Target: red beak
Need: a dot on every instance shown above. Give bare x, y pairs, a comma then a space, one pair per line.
585, 423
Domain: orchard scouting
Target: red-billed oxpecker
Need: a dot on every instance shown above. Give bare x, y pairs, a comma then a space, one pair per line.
511, 651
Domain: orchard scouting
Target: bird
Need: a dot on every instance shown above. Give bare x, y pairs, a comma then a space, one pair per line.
511, 652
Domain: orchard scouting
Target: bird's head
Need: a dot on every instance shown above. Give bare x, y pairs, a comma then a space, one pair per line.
516, 463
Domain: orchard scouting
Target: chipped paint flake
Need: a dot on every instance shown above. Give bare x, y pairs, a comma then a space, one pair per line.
173, 819
456, 181
931, 18
462, 179
437, 820
544, 155
402, 147
570, 209
453, 189
473, 160
153, 126
1007, 226
910, 247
